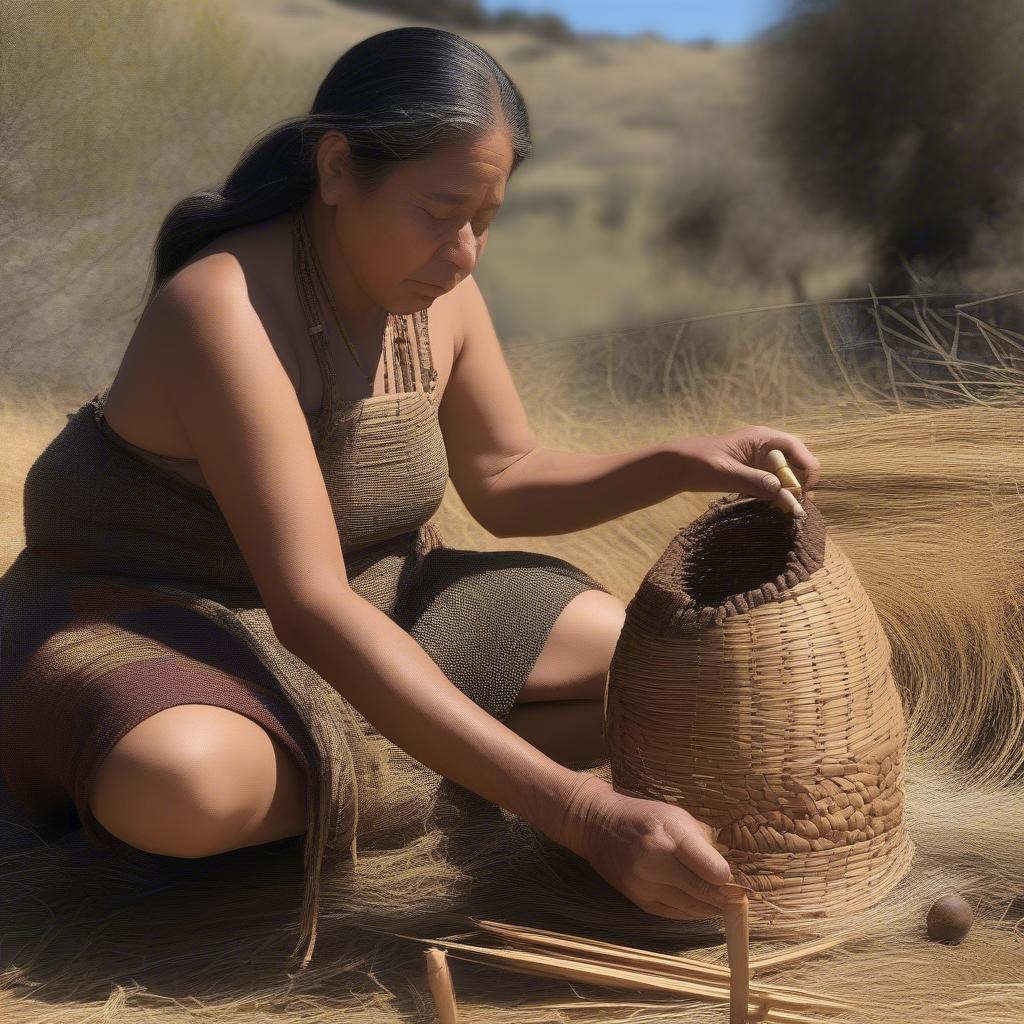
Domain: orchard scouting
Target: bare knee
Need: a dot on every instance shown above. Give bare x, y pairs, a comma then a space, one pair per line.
195, 780
573, 665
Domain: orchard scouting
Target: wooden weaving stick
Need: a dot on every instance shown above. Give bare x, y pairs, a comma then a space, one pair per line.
440, 981
737, 935
778, 464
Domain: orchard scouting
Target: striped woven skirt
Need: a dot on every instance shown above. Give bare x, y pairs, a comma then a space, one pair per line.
108, 656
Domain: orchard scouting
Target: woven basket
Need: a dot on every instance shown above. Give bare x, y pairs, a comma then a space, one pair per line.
751, 686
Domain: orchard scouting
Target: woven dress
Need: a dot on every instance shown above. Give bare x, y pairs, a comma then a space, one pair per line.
132, 596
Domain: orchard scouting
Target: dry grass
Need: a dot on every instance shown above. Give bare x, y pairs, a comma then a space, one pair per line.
920, 485
915, 414
117, 111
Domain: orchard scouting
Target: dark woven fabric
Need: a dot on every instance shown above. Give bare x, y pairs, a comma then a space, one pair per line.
60, 724
131, 596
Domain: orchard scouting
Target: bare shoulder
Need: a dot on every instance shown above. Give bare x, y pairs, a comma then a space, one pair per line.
222, 281
203, 318
225, 388
467, 309
216, 277
474, 337
454, 316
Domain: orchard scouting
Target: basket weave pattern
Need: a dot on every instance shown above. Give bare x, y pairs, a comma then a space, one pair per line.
751, 685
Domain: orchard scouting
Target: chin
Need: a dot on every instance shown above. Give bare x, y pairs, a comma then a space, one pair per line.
413, 305
424, 301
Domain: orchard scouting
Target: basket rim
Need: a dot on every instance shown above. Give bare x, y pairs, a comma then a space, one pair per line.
676, 606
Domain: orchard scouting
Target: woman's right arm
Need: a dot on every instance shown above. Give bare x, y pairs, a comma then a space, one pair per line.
226, 386
382, 671
653, 852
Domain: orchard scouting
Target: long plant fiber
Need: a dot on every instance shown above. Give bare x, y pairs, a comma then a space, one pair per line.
915, 408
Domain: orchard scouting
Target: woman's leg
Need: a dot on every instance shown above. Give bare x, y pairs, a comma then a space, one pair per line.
196, 779
560, 709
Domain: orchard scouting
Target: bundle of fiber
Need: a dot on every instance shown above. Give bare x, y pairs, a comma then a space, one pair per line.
916, 410
752, 686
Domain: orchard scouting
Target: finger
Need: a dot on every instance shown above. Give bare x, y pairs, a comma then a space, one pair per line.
761, 483
695, 891
788, 502
676, 879
709, 832
800, 458
697, 858
696, 911
778, 496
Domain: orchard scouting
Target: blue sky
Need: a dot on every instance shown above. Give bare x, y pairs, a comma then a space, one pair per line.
726, 21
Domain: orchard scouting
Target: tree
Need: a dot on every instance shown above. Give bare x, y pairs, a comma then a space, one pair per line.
906, 117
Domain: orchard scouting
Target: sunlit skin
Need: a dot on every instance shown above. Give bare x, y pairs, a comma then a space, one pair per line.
399, 248
375, 251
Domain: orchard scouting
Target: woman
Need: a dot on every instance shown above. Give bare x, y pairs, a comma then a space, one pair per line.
229, 559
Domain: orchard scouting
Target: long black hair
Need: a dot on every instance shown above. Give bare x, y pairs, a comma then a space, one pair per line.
397, 95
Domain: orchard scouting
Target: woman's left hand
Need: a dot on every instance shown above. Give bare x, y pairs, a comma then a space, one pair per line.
738, 461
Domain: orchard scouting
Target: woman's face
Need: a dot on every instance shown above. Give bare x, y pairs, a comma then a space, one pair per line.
425, 228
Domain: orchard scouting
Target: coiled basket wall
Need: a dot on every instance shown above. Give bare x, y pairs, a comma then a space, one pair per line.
751, 685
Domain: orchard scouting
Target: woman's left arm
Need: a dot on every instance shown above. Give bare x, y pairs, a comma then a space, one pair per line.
551, 492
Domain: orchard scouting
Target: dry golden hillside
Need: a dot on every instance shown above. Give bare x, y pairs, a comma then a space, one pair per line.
144, 103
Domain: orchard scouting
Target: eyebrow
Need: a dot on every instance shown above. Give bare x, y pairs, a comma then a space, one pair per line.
458, 197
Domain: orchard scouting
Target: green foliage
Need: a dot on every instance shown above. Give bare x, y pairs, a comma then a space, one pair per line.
468, 14
111, 111
904, 117
108, 98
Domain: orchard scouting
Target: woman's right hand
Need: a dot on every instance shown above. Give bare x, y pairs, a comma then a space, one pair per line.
656, 854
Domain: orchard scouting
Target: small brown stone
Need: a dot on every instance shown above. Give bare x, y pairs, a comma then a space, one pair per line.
949, 919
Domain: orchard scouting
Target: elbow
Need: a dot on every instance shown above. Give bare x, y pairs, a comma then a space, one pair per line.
494, 529
492, 524
294, 617
287, 629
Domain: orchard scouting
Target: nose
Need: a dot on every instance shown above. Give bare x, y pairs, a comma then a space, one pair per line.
466, 251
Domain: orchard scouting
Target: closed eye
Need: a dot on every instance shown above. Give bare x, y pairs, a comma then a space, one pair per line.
478, 231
